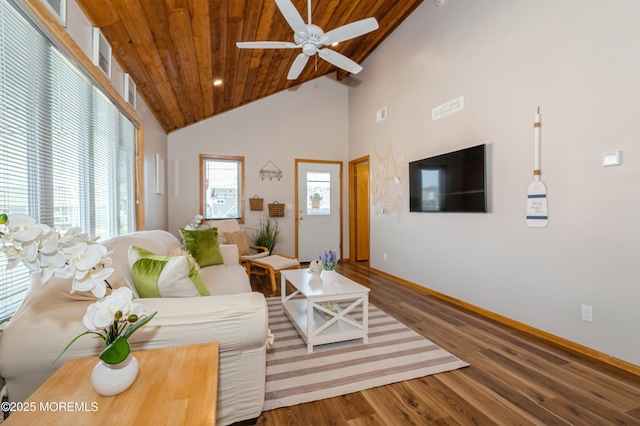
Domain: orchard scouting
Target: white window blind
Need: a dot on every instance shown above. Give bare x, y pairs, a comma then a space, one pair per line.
67, 153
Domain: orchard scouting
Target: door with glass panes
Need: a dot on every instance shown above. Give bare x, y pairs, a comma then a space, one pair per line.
318, 207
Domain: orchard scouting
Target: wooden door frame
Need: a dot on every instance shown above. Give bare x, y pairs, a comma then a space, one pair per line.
297, 208
352, 202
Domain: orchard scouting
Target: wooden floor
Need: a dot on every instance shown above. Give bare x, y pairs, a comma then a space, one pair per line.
513, 379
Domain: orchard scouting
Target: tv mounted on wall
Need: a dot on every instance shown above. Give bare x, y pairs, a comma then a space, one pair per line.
452, 182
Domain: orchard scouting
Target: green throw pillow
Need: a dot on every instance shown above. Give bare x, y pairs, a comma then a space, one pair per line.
165, 276
203, 245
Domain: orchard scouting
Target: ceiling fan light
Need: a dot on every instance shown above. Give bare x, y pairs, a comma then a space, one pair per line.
309, 49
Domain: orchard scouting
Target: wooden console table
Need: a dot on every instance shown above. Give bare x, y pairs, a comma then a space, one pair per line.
176, 385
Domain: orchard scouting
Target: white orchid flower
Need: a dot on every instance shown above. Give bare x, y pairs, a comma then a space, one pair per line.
41, 250
93, 281
31, 233
28, 240
14, 257
50, 264
90, 258
30, 250
87, 319
73, 252
30, 254
19, 222
103, 313
49, 244
64, 273
74, 236
123, 295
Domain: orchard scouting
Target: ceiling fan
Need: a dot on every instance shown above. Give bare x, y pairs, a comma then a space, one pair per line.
311, 39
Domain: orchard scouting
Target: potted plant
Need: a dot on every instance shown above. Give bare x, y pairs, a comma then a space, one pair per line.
329, 260
315, 200
268, 234
79, 258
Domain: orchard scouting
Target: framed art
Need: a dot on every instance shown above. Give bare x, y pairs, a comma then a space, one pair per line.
101, 52
129, 91
159, 174
58, 8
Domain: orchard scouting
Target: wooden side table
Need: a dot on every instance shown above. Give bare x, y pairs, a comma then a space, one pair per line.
176, 385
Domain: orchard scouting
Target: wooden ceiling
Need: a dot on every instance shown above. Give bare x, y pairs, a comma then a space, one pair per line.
175, 49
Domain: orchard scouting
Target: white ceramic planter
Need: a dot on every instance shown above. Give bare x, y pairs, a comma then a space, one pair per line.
328, 277
112, 379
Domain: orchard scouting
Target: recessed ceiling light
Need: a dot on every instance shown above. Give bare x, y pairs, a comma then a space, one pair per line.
335, 43
217, 82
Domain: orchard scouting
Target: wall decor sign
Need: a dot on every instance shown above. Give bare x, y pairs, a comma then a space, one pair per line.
271, 171
58, 8
537, 214
447, 108
101, 52
129, 91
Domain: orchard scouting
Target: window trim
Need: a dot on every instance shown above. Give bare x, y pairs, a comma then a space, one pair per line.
238, 158
42, 17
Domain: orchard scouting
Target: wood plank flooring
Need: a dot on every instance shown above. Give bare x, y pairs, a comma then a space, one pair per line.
514, 379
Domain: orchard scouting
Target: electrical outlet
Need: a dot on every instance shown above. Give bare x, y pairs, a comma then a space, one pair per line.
587, 313
384, 256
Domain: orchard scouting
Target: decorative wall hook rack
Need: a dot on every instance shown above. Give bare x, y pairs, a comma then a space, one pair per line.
271, 171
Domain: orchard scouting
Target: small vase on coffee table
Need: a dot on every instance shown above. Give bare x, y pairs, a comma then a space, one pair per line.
328, 276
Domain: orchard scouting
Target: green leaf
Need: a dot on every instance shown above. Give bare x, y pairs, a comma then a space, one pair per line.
74, 339
137, 325
116, 352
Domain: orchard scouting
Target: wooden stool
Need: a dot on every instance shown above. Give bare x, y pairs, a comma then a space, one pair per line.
272, 265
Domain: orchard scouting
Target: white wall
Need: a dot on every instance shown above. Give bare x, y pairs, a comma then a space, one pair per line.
155, 142
155, 139
306, 122
578, 60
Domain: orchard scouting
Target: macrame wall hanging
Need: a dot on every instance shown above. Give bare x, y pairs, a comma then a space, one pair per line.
389, 174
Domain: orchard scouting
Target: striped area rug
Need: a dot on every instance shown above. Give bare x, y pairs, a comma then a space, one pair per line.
394, 353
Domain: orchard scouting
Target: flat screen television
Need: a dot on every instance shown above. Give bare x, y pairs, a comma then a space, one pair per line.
452, 182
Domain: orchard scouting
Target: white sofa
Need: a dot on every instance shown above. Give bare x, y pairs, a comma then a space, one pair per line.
233, 315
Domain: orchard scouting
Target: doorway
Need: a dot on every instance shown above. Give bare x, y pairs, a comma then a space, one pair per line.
359, 209
318, 208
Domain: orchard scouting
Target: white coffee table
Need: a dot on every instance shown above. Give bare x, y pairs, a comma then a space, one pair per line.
316, 324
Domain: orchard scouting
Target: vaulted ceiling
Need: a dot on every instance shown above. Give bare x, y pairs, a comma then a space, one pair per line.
175, 49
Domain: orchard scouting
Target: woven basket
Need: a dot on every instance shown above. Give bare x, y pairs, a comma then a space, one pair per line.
256, 203
276, 209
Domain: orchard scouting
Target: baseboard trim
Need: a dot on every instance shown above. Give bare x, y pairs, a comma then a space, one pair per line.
556, 340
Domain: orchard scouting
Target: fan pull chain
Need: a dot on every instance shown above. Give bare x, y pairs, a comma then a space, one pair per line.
316, 56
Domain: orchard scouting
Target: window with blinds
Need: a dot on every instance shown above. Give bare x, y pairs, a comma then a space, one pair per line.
67, 153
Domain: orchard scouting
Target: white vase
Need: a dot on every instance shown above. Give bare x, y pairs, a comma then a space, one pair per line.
112, 379
328, 277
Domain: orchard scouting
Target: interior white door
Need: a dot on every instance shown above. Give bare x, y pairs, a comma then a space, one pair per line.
319, 209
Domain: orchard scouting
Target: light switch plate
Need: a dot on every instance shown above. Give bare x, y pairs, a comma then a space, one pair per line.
612, 158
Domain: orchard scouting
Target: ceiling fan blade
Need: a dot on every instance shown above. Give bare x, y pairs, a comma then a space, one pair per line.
339, 60
266, 45
297, 66
293, 17
352, 30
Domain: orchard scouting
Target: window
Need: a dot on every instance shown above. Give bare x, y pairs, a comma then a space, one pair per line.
67, 153
222, 187
318, 193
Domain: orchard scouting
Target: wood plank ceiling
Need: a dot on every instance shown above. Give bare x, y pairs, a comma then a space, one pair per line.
175, 49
